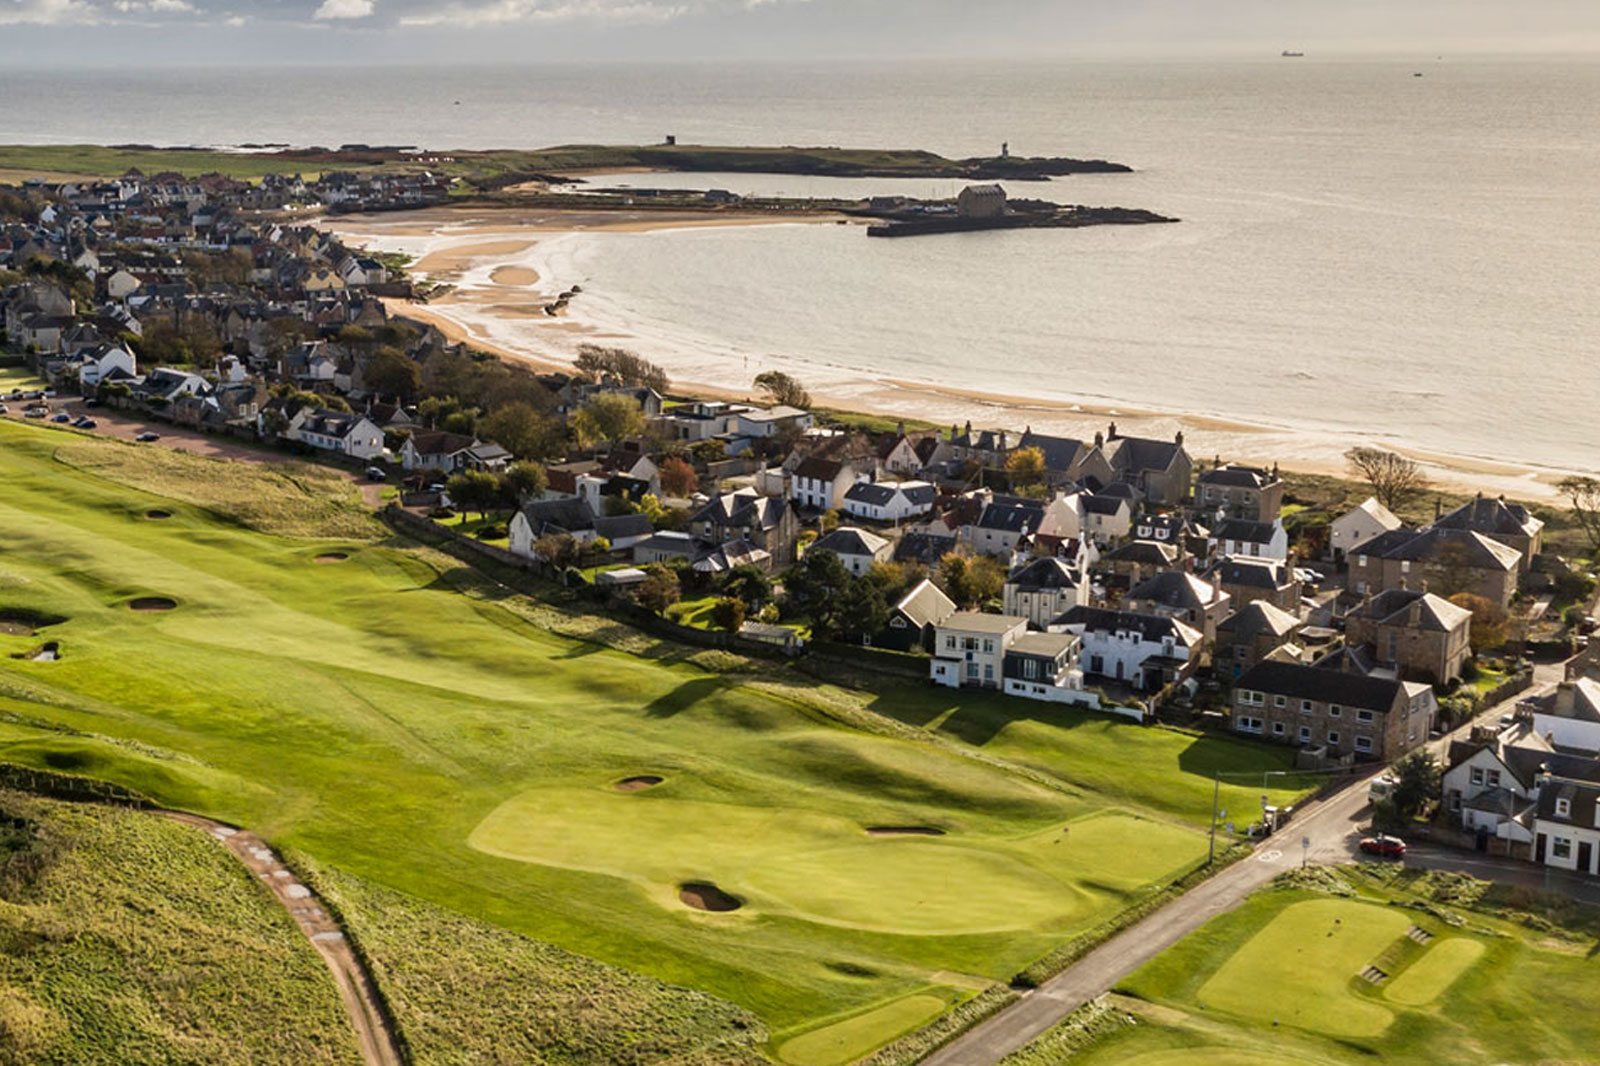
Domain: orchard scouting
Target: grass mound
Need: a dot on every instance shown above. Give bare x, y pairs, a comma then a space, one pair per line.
464, 992
290, 499
130, 940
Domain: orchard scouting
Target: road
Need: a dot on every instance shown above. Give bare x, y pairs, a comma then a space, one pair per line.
1333, 828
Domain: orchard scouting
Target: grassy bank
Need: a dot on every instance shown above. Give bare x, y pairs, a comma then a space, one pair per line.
400, 718
132, 940
1455, 971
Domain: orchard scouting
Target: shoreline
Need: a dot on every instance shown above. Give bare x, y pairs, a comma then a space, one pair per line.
462, 247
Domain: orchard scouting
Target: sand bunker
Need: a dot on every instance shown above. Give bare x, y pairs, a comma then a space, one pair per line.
331, 557
514, 275
704, 896
156, 514
904, 831
147, 604
22, 622
44, 653
635, 784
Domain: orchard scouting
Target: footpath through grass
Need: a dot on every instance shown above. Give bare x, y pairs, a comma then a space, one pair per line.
1365, 964
131, 940
399, 718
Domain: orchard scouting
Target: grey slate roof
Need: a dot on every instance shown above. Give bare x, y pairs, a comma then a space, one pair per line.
848, 540
1049, 573
1331, 686
1151, 627
1258, 617
1175, 589
926, 604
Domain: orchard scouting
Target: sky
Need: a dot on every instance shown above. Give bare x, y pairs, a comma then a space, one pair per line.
209, 32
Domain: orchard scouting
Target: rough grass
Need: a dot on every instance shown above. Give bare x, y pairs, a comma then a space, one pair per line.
374, 714
1276, 981
291, 499
130, 940
463, 992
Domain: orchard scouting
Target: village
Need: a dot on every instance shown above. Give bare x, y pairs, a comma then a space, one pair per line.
1118, 573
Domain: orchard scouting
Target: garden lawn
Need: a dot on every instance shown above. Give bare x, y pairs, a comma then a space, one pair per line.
390, 713
1279, 981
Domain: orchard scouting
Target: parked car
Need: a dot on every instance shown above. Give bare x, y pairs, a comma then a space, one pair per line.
91, 402
35, 412
4, 410
375, 473
1387, 846
88, 423
146, 437
62, 418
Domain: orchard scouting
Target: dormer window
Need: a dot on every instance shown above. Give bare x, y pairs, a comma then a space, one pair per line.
1563, 808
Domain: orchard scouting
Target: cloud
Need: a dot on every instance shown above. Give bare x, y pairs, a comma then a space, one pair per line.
46, 12
344, 9
153, 7
599, 12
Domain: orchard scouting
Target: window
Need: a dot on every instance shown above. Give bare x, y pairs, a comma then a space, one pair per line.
1305, 706
1333, 738
1305, 734
1492, 778
1246, 724
1363, 716
1563, 808
1277, 729
1279, 701
1361, 560
1561, 849
988, 646
1364, 744
1477, 775
1334, 710
1030, 668
970, 643
988, 671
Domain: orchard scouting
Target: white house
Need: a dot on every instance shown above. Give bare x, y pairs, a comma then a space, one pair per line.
969, 649
1491, 782
1570, 716
889, 501
1044, 666
769, 422
1145, 651
1359, 525
1044, 590
821, 483
1249, 539
337, 431
1566, 828
856, 548
96, 363
122, 284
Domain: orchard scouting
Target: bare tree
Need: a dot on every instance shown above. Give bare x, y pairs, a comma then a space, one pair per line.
1584, 495
783, 389
1393, 478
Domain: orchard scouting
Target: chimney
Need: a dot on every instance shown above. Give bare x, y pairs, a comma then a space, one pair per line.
969, 427
1438, 508
1111, 432
1403, 585
1177, 438
1099, 439
901, 428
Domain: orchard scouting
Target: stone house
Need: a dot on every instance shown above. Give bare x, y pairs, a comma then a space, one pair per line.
1441, 558
1249, 636
1335, 712
1248, 492
1417, 635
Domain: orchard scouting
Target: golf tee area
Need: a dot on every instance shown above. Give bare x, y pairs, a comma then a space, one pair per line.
829, 867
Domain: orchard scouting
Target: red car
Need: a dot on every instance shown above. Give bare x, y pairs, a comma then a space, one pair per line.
1383, 845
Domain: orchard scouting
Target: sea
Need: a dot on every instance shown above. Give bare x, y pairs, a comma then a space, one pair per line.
1398, 250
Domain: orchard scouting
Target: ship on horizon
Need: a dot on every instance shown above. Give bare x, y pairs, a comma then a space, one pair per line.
1292, 55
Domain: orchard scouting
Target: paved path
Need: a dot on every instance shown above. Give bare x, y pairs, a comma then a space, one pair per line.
377, 1041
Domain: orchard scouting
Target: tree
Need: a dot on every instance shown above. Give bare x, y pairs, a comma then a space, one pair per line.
1393, 478
473, 490
783, 389
728, 613
391, 373
464, 422
750, 585
678, 477
659, 589
1584, 495
1490, 626
607, 416
973, 582
522, 431
1025, 466
1417, 777
523, 481
560, 550
861, 611
597, 363
814, 586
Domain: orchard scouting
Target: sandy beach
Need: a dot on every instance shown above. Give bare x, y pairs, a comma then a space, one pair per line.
498, 300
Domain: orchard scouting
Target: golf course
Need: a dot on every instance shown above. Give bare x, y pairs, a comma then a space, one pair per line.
1365, 963
248, 643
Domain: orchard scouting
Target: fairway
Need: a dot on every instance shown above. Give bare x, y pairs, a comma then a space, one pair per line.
399, 717
844, 1042
1298, 969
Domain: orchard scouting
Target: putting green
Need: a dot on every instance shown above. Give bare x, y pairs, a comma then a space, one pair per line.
1430, 976
1211, 1056
849, 1040
791, 860
1298, 969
